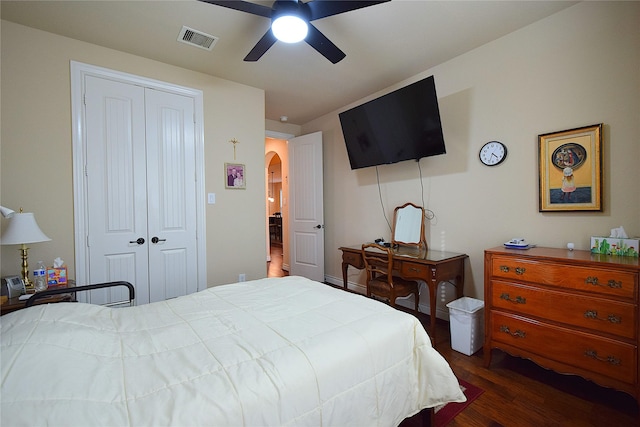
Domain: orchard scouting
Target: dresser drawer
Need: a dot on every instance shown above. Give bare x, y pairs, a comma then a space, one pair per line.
582, 350
601, 281
598, 314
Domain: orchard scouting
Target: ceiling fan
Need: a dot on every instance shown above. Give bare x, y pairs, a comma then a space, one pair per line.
290, 22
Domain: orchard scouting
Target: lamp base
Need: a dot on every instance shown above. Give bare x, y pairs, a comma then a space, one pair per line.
24, 254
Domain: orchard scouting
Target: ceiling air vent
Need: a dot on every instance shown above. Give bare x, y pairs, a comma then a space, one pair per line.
197, 38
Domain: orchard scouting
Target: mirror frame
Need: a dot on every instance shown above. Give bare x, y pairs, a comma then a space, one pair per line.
396, 214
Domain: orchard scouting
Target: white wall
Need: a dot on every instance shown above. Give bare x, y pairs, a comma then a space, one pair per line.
36, 147
578, 67
274, 128
575, 68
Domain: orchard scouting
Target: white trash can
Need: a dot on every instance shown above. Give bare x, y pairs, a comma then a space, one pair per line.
466, 320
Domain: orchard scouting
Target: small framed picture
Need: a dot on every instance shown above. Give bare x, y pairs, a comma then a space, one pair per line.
235, 175
570, 165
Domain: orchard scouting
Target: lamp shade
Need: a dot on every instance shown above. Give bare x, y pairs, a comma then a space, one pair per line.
23, 228
6, 212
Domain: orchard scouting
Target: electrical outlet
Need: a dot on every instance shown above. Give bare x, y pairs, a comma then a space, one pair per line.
242, 277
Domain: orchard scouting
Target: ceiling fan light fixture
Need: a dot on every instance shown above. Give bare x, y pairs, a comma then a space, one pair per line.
289, 28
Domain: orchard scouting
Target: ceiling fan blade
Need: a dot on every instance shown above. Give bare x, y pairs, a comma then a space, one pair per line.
322, 44
243, 6
261, 47
323, 8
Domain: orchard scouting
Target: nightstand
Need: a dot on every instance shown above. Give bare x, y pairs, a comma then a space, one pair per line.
14, 304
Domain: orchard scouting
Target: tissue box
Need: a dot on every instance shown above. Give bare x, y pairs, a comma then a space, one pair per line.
615, 246
57, 276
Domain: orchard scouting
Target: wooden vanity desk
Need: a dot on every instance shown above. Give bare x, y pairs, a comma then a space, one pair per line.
414, 263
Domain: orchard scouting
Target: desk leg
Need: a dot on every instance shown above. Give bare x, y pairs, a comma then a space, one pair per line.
460, 280
432, 284
345, 267
459, 286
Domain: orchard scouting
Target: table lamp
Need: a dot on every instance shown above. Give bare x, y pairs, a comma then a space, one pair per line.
21, 230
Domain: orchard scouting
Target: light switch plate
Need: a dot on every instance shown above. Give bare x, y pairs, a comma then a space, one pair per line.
211, 198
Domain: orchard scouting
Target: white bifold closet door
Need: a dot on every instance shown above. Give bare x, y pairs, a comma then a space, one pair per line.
140, 171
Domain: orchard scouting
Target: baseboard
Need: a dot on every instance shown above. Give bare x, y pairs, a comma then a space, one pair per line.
423, 307
352, 286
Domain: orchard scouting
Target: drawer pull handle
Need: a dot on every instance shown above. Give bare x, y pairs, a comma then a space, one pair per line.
596, 282
592, 281
414, 269
518, 333
609, 359
593, 314
519, 270
613, 284
517, 300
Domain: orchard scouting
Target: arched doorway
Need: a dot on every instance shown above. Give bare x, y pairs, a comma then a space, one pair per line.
274, 199
276, 213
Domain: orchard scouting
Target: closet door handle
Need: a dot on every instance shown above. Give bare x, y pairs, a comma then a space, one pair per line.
154, 239
140, 241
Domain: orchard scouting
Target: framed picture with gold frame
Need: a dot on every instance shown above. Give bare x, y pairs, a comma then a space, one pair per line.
570, 170
235, 173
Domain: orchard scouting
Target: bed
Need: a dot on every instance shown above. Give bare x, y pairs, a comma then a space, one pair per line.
270, 352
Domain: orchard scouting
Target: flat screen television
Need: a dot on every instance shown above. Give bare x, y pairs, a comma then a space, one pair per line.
401, 125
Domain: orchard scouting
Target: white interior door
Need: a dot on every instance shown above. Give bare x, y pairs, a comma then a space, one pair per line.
171, 192
116, 188
141, 191
306, 210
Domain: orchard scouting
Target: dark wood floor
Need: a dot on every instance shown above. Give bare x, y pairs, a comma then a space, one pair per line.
274, 267
518, 393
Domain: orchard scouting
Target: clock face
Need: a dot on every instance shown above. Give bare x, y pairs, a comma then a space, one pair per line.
493, 153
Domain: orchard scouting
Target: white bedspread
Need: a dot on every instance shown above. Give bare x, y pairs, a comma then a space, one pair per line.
275, 352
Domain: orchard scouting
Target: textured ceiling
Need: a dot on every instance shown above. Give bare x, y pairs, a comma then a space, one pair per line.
384, 44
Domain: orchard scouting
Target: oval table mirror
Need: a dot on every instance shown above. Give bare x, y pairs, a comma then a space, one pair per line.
408, 226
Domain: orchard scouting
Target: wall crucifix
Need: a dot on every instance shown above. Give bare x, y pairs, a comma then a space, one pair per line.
234, 142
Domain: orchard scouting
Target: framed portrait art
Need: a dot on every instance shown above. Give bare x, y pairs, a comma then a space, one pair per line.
570, 168
235, 175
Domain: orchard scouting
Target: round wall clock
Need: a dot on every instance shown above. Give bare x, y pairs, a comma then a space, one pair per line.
493, 153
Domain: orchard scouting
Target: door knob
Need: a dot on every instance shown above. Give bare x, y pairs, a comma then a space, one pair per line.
319, 226
154, 239
140, 241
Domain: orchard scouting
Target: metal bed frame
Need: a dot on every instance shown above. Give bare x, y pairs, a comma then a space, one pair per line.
74, 289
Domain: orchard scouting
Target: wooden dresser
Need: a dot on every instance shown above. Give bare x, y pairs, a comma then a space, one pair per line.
569, 311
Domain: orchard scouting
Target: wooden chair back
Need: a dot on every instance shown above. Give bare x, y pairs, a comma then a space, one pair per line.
378, 261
